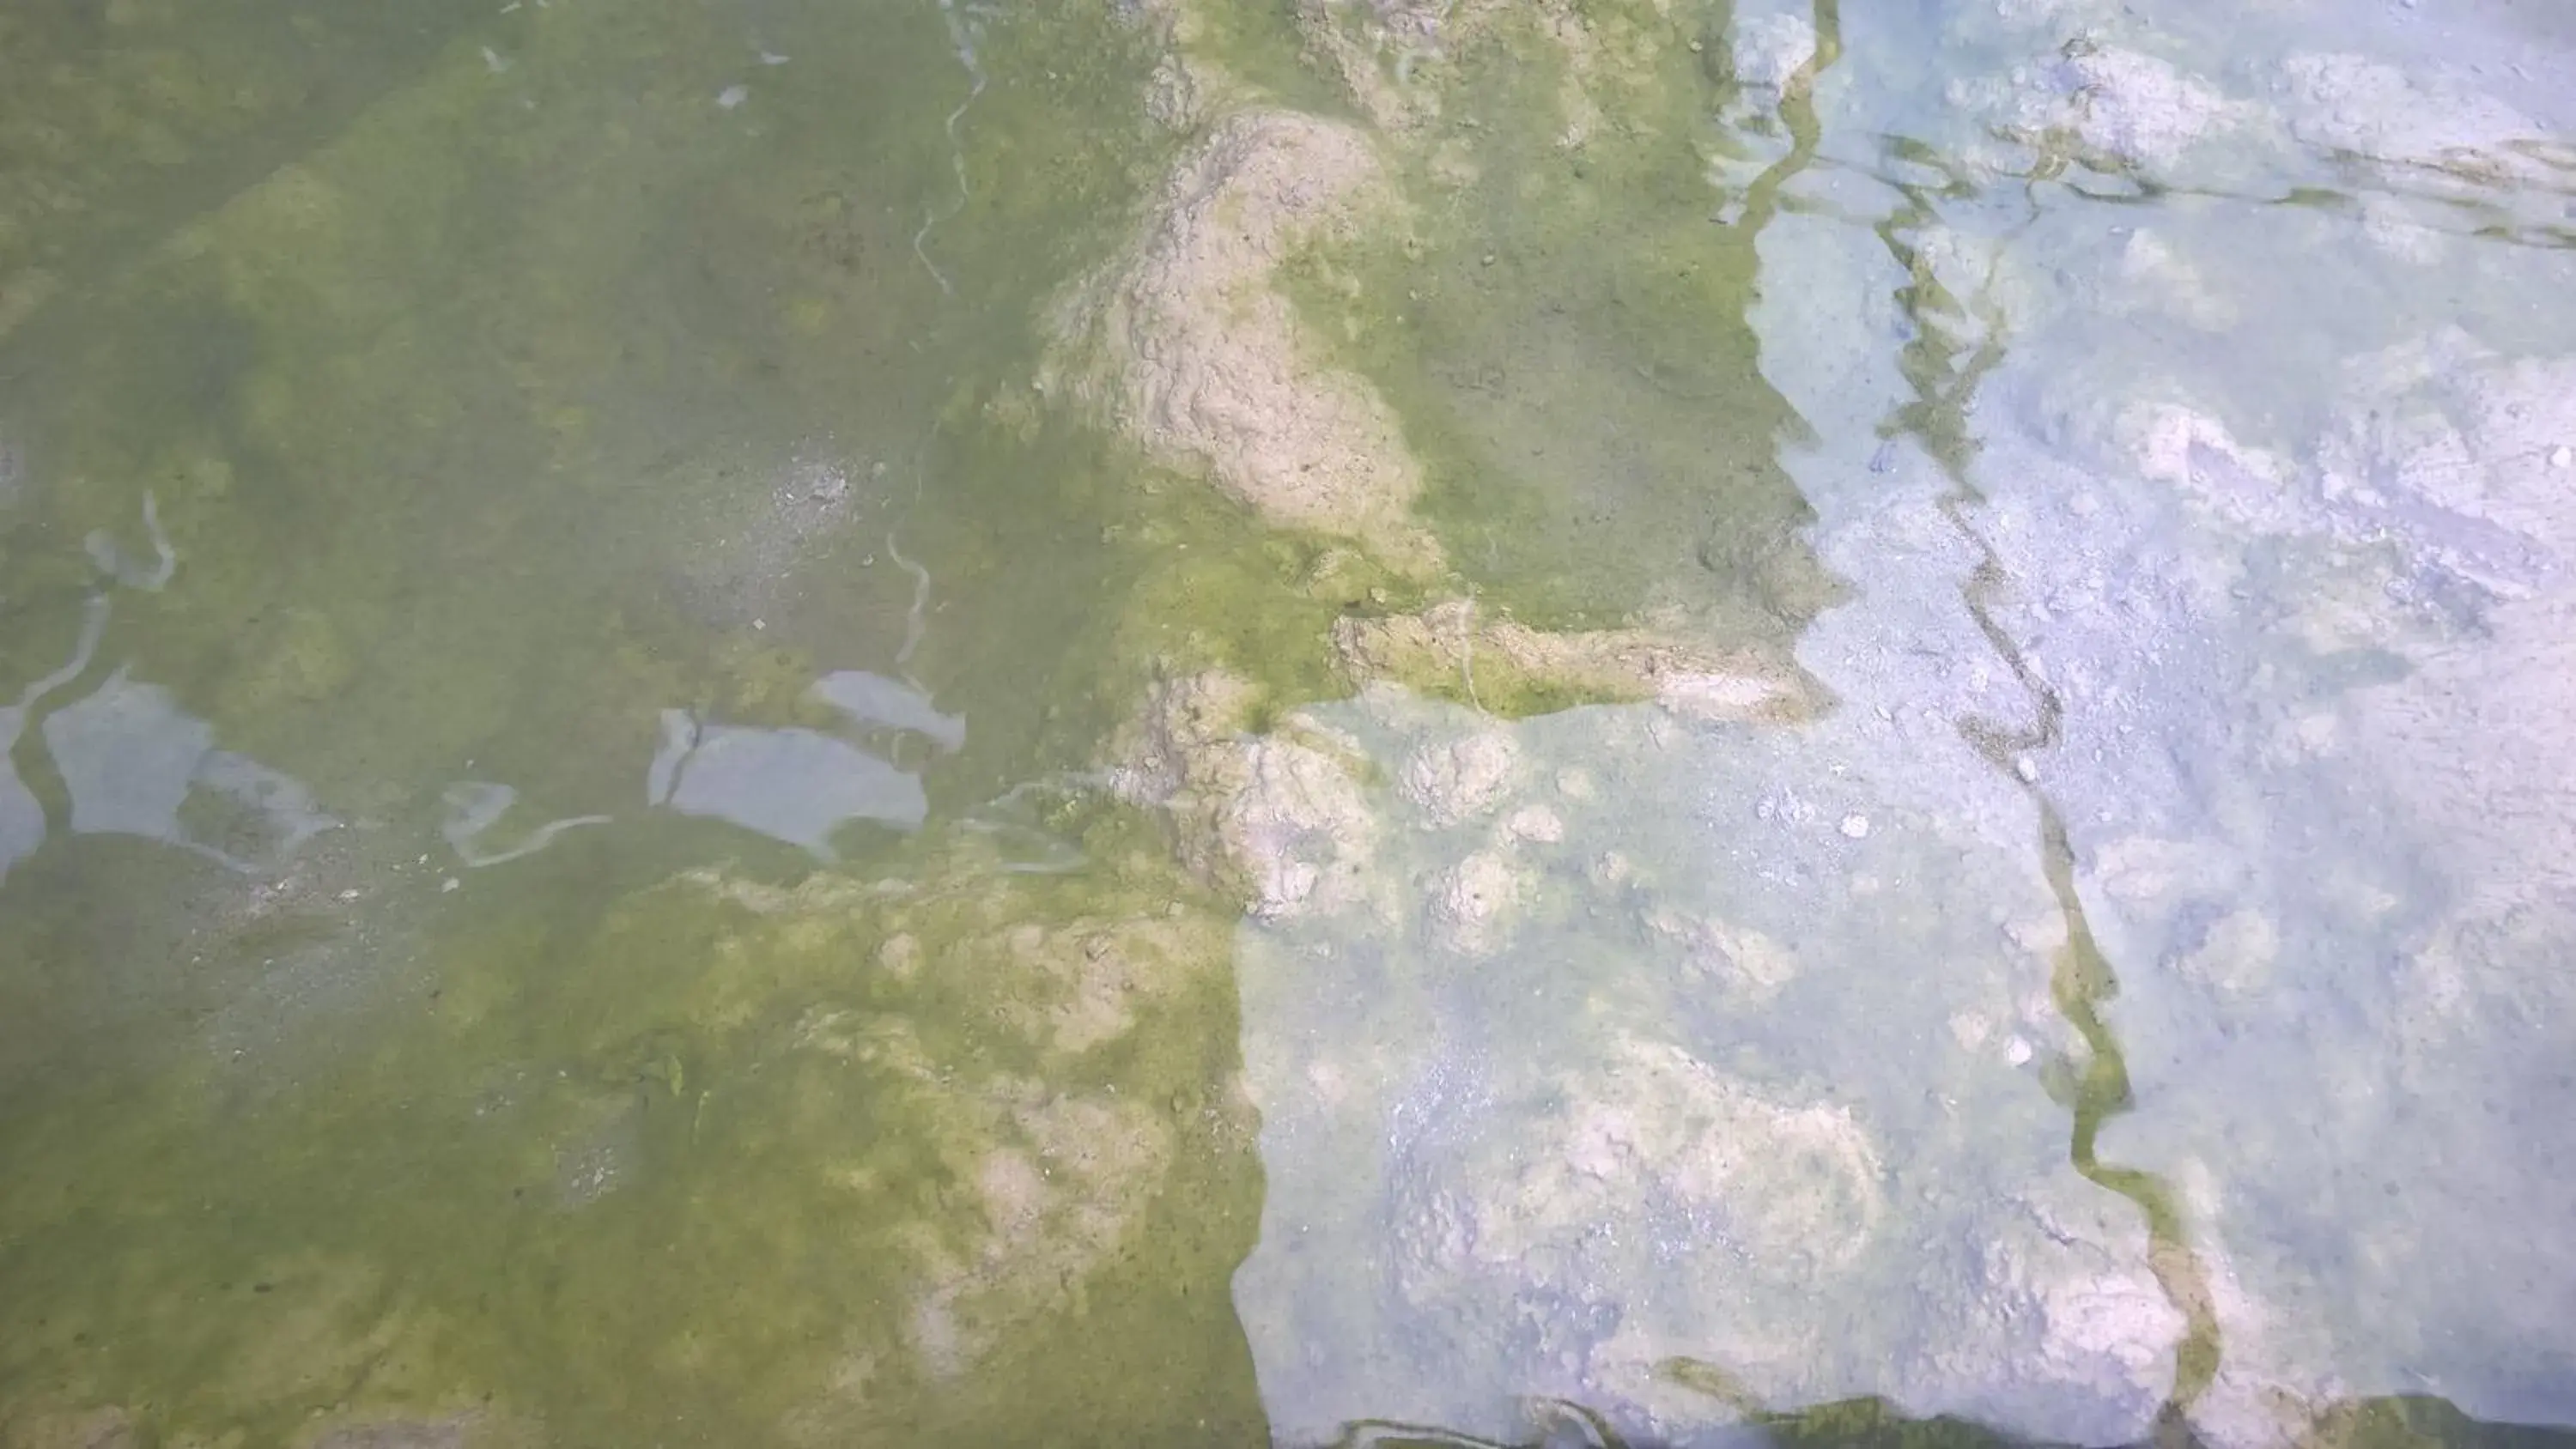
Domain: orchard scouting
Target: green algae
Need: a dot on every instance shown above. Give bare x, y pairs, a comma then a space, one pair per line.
1563, 332
1262, 47
625, 1155
439, 384
726, 1133
1452, 669
124, 117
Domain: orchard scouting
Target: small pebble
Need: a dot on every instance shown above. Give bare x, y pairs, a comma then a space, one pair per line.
2028, 771
732, 96
2017, 1052
1856, 826
2562, 457
449, 884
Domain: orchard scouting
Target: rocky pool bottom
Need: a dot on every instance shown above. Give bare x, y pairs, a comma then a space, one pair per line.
1356, 724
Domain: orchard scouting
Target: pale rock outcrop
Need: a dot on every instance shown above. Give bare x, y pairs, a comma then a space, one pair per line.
1475, 904
1497, 660
1738, 958
1057, 1189
1276, 818
1649, 1166
1185, 346
2109, 103
1453, 780
1768, 51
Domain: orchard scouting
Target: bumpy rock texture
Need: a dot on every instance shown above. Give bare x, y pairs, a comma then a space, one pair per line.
1275, 819
1186, 346
1515, 668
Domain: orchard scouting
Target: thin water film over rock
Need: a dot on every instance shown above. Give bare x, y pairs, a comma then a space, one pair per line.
1507, 722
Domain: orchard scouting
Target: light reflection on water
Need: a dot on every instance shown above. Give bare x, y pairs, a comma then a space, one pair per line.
2080, 687
2130, 1011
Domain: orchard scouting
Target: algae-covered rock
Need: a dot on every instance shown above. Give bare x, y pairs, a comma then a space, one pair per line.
1455, 779
1058, 1174
882, 1137
1504, 665
460, 1431
476, 1427
1737, 959
123, 118
1183, 344
1275, 818
1400, 60
29, 1427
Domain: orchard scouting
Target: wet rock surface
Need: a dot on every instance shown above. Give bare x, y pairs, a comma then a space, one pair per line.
1186, 347
1525, 668
1276, 818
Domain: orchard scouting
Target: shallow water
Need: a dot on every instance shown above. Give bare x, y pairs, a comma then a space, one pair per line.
1659, 723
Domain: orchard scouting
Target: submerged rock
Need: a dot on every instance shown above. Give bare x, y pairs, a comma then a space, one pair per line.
2112, 103
2063, 1300
1637, 1209
1514, 669
1060, 1183
101, 1428
1452, 780
1475, 903
1055, 1170
1768, 51
1390, 55
462, 1431
2342, 601
1277, 820
2371, 111
1737, 958
1185, 346
2439, 455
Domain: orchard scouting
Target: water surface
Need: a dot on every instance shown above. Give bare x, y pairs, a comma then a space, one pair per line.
1501, 723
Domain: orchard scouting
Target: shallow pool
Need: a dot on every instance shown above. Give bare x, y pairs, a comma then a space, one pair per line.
1321, 722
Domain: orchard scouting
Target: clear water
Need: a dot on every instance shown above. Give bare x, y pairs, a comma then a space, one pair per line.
1653, 721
